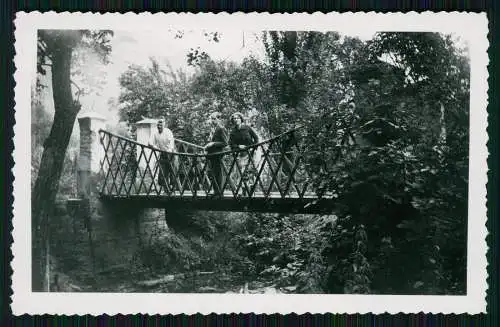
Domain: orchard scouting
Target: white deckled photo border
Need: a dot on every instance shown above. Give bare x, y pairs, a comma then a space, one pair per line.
474, 26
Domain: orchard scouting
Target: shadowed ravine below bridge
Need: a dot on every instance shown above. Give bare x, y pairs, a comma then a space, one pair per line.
118, 279
208, 256
191, 282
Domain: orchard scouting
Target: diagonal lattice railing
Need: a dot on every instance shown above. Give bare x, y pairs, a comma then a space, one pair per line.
274, 168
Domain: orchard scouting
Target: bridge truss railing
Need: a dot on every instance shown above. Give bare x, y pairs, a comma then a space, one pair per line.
274, 168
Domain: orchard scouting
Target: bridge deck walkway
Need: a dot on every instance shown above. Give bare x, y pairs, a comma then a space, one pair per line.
309, 203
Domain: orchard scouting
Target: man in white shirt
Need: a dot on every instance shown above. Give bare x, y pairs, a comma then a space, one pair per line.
163, 140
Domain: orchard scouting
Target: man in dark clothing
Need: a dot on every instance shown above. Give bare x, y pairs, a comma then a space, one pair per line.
241, 137
218, 141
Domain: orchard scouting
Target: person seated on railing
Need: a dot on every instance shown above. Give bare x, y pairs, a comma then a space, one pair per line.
241, 137
163, 140
218, 141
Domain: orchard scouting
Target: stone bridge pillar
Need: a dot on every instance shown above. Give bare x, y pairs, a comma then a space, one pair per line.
116, 231
144, 129
91, 151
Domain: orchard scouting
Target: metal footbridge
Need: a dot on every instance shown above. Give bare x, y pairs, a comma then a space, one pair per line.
270, 176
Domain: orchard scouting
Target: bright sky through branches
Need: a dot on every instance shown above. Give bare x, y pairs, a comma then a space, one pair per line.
136, 47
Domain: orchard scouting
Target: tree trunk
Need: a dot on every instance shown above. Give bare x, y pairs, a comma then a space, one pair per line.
51, 165
442, 121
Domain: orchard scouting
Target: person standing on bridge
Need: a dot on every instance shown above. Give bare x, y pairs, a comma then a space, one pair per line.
218, 141
163, 140
240, 138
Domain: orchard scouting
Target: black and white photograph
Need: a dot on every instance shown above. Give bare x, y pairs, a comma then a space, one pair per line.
251, 161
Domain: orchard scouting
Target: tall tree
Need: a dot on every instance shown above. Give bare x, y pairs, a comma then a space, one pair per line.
414, 190
57, 49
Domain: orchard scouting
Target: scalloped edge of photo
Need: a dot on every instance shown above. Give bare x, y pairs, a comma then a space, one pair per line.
24, 301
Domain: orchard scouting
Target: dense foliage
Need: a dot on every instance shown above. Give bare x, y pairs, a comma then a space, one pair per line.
386, 129
389, 121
